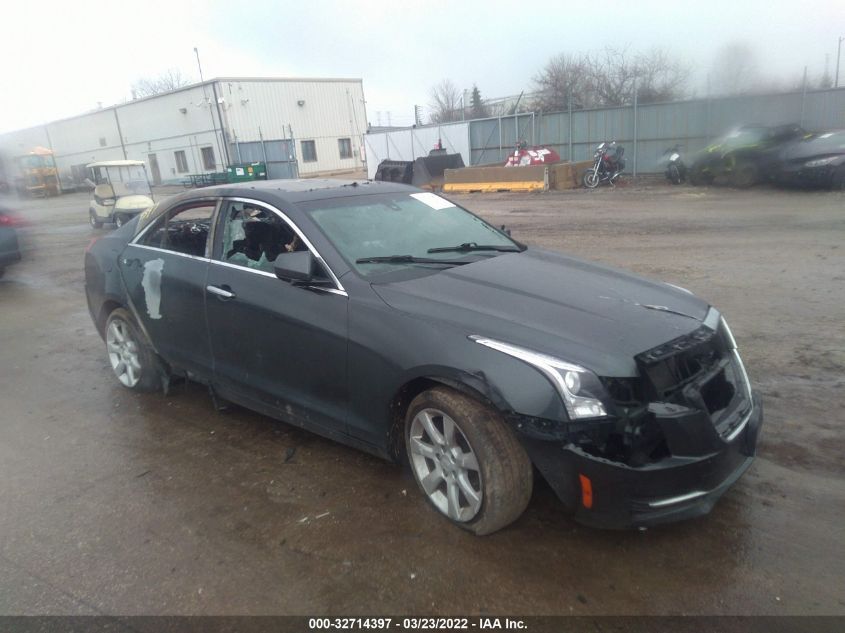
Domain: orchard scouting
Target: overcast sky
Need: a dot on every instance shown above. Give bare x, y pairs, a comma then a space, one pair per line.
65, 57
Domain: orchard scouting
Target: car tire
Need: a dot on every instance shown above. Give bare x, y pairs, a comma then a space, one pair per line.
119, 220
837, 181
94, 221
478, 476
674, 175
745, 175
131, 358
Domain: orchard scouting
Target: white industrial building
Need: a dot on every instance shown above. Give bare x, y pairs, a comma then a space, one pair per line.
299, 127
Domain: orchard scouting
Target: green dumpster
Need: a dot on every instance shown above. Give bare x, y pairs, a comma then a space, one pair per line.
244, 172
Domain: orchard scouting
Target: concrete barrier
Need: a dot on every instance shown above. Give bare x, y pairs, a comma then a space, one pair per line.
496, 178
567, 175
492, 178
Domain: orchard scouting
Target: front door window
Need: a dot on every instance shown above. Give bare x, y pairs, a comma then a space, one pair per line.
253, 237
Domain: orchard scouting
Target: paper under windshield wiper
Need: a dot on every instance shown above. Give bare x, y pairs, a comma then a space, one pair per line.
407, 259
468, 247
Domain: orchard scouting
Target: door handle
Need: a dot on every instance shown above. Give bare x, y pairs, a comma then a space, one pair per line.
222, 293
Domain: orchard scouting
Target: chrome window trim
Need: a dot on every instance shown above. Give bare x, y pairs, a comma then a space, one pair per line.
335, 280
334, 291
209, 243
164, 250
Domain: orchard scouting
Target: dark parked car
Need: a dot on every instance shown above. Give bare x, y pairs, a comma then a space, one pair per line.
742, 157
10, 249
815, 161
395, 321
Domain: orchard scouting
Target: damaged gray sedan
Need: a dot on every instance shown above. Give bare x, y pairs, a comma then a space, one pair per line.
397, 322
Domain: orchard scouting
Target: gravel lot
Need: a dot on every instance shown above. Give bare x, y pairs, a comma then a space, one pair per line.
117, 503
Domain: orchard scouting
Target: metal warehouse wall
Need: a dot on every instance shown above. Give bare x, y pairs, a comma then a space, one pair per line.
189, 119
270, 110
646, 131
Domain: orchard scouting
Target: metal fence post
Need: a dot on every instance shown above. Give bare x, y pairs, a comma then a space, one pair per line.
635, 130
263, 149
803, 96
500, 138
571, 159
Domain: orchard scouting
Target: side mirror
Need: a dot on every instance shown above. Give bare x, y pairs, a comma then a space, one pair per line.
298, 267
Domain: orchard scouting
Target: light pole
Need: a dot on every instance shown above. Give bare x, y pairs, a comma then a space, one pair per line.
210, 112
838, 53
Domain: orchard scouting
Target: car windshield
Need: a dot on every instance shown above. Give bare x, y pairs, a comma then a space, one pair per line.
743, 137
403, 224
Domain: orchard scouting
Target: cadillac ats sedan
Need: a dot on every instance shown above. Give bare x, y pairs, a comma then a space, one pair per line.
395, 321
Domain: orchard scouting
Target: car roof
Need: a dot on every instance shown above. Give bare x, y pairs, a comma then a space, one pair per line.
115, 163
304, 189
283, 193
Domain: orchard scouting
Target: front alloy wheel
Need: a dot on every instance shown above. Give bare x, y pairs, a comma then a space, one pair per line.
591, 179
445, 465
119, 220
466, 460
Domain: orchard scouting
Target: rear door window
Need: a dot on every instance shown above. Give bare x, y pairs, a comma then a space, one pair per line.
184, 229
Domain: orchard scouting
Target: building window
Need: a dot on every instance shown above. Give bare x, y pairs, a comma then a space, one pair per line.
309, 152
208, 157
345, 147
181, 162
102, 141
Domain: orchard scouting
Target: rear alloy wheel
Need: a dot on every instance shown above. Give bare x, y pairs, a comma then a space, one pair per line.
119, 220
467, 461
94, 221
131, 360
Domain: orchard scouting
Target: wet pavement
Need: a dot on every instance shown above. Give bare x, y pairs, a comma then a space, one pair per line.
112, 502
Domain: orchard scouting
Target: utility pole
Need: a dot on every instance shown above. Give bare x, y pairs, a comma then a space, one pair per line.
838, 54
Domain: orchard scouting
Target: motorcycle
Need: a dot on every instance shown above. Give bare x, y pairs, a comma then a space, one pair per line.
607, 165
676, 170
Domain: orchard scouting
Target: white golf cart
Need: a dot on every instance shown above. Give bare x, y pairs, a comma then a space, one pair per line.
121, 191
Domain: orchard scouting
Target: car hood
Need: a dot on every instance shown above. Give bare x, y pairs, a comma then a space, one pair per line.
808, 150
582, 312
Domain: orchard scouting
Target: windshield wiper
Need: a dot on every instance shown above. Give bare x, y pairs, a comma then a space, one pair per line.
407, 259
468, 247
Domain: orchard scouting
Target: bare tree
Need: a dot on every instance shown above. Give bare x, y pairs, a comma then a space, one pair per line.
445, 104
563, 77
735, 70
660, 77
609, 78
169, 80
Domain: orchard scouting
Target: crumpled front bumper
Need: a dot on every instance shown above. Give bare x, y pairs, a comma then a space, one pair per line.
672, 489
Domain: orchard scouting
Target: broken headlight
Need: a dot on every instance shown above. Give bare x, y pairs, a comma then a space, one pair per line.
578, 387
